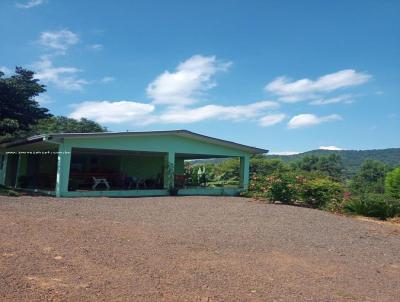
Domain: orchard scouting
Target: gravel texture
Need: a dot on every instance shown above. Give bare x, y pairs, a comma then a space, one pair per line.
191, 249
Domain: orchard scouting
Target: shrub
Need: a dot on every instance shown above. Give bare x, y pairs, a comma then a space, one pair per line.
281, 187
374, 205
392, 183
318, 192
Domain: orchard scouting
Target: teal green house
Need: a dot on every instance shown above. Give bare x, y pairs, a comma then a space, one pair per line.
120, 164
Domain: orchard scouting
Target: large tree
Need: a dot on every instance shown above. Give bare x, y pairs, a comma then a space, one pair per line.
18, 108
370, 178
62, 124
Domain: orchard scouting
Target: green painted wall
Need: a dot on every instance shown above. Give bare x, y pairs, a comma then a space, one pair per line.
142, 166
154, 143
179, 166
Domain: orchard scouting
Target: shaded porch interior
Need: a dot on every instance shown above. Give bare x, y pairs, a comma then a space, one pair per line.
35, 167
119, 170
32, 167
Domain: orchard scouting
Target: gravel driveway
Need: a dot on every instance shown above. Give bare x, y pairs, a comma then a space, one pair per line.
191, 249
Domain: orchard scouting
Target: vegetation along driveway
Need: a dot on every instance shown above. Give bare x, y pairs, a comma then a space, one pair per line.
191, 249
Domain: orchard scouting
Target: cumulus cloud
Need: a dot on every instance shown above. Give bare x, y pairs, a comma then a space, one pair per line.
271, 119
144, 114
235, 113
62, 77
293, 91
308, 120
332, 148
29, 4
58, 40
191, 78
113, 111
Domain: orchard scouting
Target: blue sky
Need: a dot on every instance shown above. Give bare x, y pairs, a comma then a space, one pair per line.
287, 76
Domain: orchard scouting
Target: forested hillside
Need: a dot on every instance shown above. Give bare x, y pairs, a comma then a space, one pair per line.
352, 159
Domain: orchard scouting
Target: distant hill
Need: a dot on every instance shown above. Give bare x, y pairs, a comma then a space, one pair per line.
352, 159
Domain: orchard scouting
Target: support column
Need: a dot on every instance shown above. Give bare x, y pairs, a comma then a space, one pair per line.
21, 168
63, 167
244, 172
169, 172
4, 170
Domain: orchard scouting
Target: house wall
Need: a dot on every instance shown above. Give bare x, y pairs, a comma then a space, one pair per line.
180, 166
154, 143
170, 145
142, 166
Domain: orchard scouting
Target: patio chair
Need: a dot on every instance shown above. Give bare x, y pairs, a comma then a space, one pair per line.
97, 181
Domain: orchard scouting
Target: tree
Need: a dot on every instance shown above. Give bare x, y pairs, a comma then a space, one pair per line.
62, 124
330, 165
370, 178
18, 108
392, 183
262, 166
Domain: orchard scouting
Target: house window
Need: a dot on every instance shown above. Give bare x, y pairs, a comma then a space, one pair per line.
2, 157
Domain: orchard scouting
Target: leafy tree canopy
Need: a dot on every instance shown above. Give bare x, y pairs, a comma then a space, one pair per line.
62, 124
392, 183
330, 165
370, 178
18, 108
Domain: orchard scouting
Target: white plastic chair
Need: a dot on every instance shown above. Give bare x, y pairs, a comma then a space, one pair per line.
98, 181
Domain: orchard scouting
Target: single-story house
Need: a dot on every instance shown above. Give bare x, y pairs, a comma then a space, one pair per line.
120, 163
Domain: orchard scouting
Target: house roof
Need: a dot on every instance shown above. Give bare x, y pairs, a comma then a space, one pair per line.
182, 133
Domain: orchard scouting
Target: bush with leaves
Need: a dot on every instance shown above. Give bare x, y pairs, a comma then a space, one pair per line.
318, 192
283, 187
392, 184
374, 205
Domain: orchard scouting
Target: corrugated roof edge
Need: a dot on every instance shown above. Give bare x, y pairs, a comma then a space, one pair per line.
180, 132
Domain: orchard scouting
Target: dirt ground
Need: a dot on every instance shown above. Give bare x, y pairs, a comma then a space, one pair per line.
191, 249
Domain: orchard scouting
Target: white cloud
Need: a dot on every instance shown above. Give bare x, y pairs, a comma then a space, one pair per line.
30, 4
144, 114
113, 111
7, 71
191, 78
96, 46
107, 79
271, 119
62, 77
283, 153
294, 91
43, 99
307, 120
332, 148
181, 115
346, 98
58, 40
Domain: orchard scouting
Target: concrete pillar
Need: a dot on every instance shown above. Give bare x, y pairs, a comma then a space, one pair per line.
4, 170
244, 172
63, 167
21, 168
169, 171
